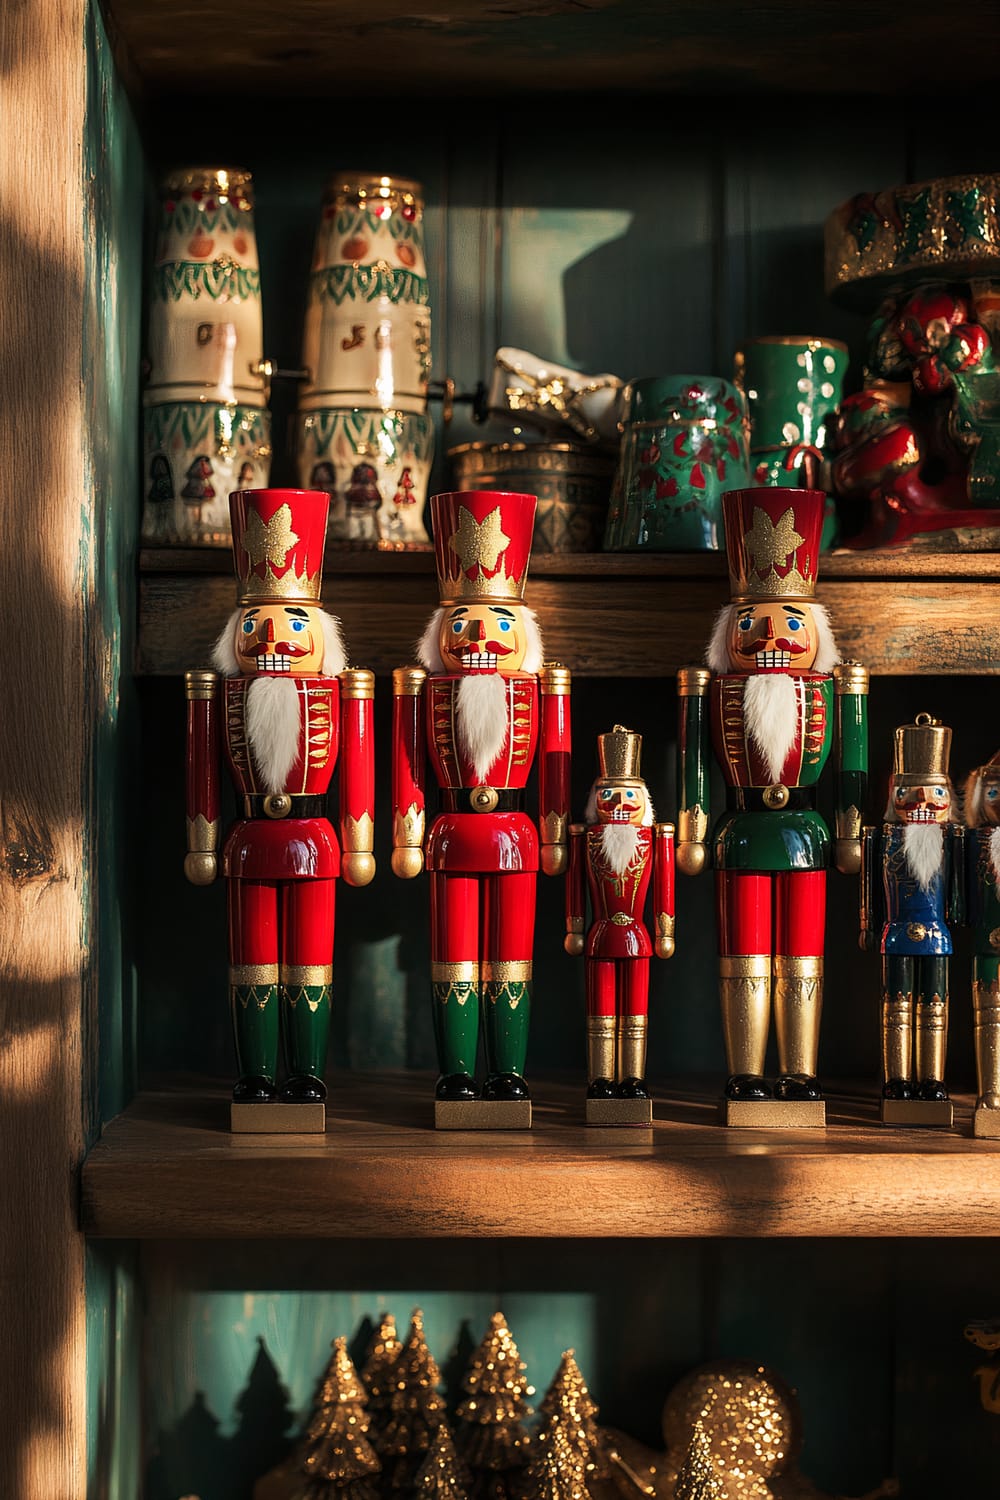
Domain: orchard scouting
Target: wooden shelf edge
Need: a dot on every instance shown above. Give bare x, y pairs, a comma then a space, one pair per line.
168, 1168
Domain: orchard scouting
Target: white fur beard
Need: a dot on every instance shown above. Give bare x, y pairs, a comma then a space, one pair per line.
619, 845
481, 719
923, 848
273, 728
771, 711
994, 847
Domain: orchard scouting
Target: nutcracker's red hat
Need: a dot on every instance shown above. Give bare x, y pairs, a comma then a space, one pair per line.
482, 543
772, 542
278, 541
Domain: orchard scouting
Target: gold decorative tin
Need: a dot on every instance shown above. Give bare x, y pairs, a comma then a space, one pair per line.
572, 486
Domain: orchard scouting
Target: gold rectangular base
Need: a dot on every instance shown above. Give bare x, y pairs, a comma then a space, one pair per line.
773, 1114
936, 1112
986, 1123
619, 1111
277, 1119
482, 1114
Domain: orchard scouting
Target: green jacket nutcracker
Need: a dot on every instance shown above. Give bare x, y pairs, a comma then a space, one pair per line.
911, 889
774, 704
982, 850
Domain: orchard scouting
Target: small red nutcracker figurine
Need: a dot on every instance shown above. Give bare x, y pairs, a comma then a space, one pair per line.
283, 710
481, 706
617, 852
774, 703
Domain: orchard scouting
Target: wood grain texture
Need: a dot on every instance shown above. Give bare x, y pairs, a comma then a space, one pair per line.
629, 621
382, 1171
44, 748
585, 44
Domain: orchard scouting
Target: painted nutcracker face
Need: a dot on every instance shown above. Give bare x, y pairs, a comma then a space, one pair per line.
991, 800
620, 802
284, 638
483, 638
928, 803
773, 637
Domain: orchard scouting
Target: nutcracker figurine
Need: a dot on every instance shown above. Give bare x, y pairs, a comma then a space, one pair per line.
776, 705
284, 708
911, 888
982, 887
617, 852
482, 703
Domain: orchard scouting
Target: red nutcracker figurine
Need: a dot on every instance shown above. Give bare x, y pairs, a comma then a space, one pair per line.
774, 704
482, 704
617, 852
283, 709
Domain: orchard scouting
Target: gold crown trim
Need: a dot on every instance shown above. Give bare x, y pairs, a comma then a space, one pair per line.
292, 587
232, 181
922, 748
619, 753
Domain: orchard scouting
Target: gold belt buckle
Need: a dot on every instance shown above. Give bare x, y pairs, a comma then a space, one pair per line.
483, 799
277, 805
621, 918
916, 932
775, 796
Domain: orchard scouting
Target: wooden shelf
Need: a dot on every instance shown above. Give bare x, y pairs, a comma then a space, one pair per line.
604, 614
504, 45
168, 1168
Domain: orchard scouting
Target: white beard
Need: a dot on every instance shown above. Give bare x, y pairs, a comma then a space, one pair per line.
273, 723
481, 719
994, 851
770, 707
619, 845
923, 849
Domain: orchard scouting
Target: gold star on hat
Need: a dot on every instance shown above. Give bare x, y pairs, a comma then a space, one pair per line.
479, 541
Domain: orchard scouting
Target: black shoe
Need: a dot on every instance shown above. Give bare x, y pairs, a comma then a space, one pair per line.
505, 1086
632, 1088
254, 1090
303, 1088
601, 1088
456, 1086
797, 1086
747, 1086
897, 1088
932, 1091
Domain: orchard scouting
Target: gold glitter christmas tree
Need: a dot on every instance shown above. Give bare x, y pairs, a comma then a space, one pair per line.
379, 1375
337, 1459
568, 1402
417, 1410
558, 1469
491, 1438
698, 1479
441, 1475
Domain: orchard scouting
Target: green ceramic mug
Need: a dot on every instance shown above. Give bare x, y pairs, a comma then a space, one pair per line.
684, 441
793, 385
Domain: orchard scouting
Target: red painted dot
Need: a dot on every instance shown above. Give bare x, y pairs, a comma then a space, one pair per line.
409, 212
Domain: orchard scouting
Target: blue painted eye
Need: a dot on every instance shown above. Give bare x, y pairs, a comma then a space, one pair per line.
298, 625
794, 624
940, 793
248, 627
457, 626
630, 795
504, 626
746, 622
606, 796
992, 793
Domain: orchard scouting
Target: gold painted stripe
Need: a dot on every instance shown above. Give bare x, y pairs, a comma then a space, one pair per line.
357, 682
311, 974
506, 971
745, 966
202, 835
244, 974
463, 972
786, 967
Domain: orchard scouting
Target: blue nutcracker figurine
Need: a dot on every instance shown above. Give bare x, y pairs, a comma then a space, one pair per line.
911, 889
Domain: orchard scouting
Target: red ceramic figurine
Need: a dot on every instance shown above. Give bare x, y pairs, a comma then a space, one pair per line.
281, 706
482, 706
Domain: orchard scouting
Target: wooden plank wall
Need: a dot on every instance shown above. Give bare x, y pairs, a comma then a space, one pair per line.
640, 238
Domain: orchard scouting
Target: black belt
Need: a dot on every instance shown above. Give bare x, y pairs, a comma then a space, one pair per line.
482, 799
775, 798
284, 805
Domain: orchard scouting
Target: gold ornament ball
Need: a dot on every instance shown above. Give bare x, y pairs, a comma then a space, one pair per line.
750, 1415
201, 869
407, 863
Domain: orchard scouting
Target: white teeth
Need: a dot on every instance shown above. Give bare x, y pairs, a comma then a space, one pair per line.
921, 815
774, 658
274, 664
479, 661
